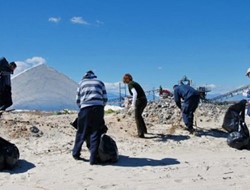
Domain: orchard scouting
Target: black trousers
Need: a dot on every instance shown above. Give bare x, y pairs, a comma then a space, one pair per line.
139, 107
90, 126
5, 98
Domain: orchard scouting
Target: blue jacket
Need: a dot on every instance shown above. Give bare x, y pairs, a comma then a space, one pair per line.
184, 92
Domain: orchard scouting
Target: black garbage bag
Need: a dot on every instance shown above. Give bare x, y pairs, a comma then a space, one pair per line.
107, 151
239, 139
234, 114
9, 154
104, 129
231, 121
74, 123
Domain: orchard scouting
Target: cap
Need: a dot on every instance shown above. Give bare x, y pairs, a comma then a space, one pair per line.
248, 71
176, 85
89, 74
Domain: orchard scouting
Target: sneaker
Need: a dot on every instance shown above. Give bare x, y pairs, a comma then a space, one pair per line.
141, 136
190, 130
77, 157
92, 163
96, 162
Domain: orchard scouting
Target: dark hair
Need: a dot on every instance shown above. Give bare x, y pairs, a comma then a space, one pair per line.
13, 64
176, 85
129, 76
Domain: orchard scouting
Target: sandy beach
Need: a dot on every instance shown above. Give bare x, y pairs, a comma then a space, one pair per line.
168, 158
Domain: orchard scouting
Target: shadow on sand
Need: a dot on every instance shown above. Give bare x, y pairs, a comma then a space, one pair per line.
22, 166
217, 133
166, 137
126, 161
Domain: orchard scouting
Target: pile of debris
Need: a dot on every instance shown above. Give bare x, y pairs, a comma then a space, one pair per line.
165, 111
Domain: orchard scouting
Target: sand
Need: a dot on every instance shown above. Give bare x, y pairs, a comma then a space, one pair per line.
168, 158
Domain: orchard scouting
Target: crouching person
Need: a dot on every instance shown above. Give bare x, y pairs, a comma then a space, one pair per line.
191, 99
91, 98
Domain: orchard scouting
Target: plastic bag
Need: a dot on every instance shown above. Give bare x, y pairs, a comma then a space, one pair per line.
107, 150
9, 154
231, 121
239, 139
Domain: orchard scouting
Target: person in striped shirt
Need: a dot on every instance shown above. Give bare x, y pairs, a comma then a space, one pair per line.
91, 98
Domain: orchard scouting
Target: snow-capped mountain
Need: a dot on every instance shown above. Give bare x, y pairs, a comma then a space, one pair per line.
43, 88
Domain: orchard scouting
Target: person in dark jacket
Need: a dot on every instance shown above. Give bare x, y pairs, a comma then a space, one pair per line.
139, 102
91, 98
191, 99
6, 69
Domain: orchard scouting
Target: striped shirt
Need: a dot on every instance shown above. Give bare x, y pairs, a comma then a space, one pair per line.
91, 92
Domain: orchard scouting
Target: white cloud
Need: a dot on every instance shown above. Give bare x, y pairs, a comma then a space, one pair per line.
212, 86
78, 20
114, 87
54, 19
27, 64
98, 22
36, 60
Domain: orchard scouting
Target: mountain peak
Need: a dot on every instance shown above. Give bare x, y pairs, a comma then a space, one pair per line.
43, 88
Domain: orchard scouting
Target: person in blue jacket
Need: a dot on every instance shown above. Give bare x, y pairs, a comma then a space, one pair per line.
187, 99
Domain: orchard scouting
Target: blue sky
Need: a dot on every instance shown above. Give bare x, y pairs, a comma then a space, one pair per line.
157, 41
